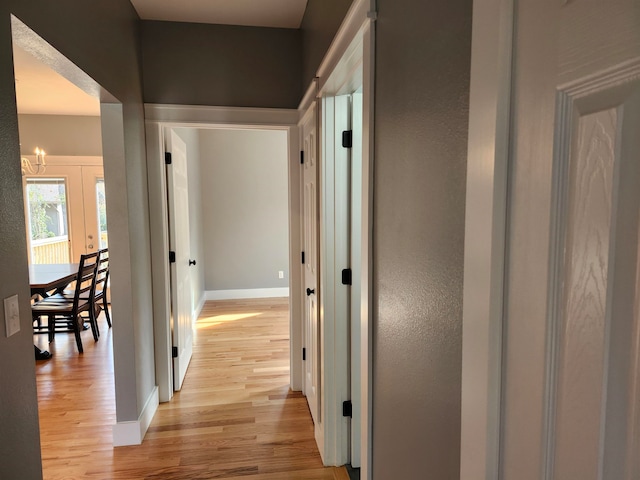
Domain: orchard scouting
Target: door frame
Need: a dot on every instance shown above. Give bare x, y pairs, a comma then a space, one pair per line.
162, 117
347, 66
485, 237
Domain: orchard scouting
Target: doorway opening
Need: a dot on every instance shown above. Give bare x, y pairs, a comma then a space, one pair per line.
237, 203
65, 210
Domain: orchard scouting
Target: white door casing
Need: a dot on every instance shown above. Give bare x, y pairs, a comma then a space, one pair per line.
570, 357
356, 286
310, 266
159, 119
179, 242
346, 69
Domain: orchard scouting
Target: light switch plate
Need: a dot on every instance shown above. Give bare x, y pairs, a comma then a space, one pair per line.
11, 315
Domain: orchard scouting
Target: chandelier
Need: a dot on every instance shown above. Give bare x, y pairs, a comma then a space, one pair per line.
33, 169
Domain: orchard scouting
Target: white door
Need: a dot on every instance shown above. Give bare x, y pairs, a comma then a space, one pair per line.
179, 243
571, 381
310, 267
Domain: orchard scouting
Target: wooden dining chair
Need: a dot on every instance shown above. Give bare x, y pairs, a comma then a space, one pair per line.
64, 312
101, 285
98, 295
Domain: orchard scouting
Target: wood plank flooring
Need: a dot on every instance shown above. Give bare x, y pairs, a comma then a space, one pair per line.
235, 417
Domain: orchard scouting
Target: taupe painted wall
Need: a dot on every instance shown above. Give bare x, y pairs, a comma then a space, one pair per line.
101, 38
320, 23
191, 137
221, 65
421, 108
60, 134
245, 208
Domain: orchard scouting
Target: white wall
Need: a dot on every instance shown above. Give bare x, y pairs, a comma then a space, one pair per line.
244, 208
191, 139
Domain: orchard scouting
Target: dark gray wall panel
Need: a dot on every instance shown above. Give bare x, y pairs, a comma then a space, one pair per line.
222, 65
321, 21
421, 108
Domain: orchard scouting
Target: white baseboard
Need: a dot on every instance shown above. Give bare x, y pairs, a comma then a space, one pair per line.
246, 293
198, 309
132, 433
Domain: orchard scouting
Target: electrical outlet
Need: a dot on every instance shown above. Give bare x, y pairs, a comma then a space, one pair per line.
280, 274
11, 315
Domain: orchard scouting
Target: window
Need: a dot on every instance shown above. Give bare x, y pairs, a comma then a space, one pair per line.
48, 220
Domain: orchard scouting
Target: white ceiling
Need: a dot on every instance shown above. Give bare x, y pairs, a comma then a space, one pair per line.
40, 90
255, 13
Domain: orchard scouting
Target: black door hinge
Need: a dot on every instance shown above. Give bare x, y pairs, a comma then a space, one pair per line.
167, 158
174, 352
303, 258
301, 157
172, 257
304, 354
347, 408
347, 277
347, 138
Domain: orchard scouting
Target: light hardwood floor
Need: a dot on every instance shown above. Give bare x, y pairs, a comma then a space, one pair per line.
235, 417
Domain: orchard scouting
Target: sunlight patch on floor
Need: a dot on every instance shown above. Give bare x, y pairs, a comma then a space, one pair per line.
214, 320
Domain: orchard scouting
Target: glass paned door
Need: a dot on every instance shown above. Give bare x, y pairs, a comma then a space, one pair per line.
48, 220
73, 199
101, 204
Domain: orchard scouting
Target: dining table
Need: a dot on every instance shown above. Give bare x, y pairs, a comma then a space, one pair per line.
49, 278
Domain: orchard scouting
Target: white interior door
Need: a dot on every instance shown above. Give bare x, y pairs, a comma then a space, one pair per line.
571, 382
179, 243
310, 267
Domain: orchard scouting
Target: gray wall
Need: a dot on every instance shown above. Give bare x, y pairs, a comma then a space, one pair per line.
244, 208
222, 65
421, 108
101, 38
60, 134
320, 23
191, 137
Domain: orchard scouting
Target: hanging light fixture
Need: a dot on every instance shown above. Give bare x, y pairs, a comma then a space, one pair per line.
33, 169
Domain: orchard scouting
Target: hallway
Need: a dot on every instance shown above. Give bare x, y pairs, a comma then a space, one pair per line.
234, 418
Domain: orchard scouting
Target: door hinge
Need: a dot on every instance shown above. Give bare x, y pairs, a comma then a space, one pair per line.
301, 157
303, 258
347, 277
347, 138
167, 158
174, 352
172, 257
347, 408
304, 354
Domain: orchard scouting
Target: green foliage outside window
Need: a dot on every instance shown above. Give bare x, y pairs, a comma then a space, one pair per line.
39, 219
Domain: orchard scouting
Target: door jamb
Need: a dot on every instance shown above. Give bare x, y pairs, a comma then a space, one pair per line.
348, 65
485, 238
